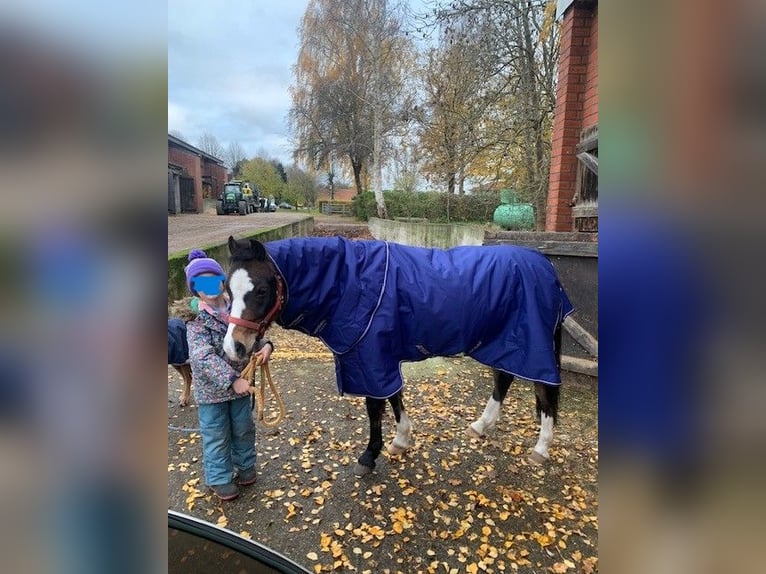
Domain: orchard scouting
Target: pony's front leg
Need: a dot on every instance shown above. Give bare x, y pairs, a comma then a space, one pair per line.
403, 439
366, 464
491, 414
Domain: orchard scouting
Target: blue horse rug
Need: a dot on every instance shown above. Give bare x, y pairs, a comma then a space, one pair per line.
178, 348
377, 304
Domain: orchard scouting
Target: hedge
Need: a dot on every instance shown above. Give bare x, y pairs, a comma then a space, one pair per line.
434, 206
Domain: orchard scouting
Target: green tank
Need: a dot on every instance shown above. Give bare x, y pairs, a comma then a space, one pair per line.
512, 214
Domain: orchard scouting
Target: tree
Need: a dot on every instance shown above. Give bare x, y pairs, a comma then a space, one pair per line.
209, 144
350, 84
233, 155
519, 51
455, 125
262, 173
280, 169
301, 186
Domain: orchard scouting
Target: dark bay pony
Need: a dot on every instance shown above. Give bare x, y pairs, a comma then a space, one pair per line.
377, 304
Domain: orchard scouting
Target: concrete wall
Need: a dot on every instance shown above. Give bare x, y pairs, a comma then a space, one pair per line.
441, 235
220, 252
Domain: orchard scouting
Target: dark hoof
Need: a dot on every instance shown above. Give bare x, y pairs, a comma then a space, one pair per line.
537, 458
361, 470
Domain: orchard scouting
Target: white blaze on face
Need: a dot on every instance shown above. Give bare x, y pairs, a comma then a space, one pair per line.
240, 285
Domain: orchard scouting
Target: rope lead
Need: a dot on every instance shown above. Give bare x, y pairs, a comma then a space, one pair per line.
260, 392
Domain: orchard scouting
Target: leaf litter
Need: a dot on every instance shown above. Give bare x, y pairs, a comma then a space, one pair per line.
449, 504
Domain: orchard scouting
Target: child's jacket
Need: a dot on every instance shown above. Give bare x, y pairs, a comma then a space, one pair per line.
212, 372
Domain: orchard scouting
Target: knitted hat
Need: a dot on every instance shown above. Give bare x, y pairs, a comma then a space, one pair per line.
200, 263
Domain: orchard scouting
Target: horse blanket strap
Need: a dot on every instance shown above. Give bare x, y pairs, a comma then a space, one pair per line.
261, 326
260, 392
376, 304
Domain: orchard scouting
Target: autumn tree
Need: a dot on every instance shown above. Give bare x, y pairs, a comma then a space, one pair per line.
456, 123
209, 144
519, 48
351, 85
264, 175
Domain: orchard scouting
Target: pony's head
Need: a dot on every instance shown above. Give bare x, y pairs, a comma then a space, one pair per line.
257, 296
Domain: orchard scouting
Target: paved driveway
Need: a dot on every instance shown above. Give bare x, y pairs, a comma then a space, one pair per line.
192, 230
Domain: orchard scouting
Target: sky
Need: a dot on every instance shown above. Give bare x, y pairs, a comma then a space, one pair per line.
230, 69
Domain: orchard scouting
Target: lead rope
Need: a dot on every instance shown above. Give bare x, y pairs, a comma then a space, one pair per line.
260, 392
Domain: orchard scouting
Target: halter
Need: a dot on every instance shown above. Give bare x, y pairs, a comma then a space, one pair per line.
260, 326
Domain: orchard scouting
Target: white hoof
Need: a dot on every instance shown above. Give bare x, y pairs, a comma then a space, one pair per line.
472, 432
396, 449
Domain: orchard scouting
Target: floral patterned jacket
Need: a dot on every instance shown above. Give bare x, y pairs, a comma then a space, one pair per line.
212, 371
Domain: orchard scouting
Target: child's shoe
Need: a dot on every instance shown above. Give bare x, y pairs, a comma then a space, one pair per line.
228, 491
247, 477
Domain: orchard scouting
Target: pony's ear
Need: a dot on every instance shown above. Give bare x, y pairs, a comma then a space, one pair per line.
232, 245
258, 250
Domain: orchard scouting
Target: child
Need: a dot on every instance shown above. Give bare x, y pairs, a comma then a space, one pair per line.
223, 399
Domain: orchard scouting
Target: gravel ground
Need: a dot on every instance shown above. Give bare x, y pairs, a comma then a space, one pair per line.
192, 230
450, 504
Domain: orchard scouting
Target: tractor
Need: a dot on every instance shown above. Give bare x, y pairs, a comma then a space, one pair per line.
238, 197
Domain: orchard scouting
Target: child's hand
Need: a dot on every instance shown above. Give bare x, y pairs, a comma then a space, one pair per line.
241, 386
262, 356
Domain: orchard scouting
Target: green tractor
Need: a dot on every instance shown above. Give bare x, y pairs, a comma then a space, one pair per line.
237, 197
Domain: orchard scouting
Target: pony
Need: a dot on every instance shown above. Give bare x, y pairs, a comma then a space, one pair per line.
376, 304
178, 355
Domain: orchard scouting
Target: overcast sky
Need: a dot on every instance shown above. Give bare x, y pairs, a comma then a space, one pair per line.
229, 71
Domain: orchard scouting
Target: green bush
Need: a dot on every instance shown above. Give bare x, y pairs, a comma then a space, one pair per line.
434, 206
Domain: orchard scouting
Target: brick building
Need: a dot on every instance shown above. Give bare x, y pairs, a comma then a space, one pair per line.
339, 193
192, 176
573, 187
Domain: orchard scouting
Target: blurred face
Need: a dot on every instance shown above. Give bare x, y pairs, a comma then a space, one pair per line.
208, 285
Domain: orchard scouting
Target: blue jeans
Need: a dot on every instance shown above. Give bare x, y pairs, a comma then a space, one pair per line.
228, 439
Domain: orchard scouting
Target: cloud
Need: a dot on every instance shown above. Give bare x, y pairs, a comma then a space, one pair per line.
177, 117
230, 69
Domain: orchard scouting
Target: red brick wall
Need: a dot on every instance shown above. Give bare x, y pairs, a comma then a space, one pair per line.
218, 175
192, 163
576, 109
590, 97
340, 193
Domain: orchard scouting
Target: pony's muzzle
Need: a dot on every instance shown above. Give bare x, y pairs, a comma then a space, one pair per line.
240, 350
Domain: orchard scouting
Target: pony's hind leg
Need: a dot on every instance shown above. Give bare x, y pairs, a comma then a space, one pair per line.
403, 439
547, 406
366, 463
185, 371
488, 419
